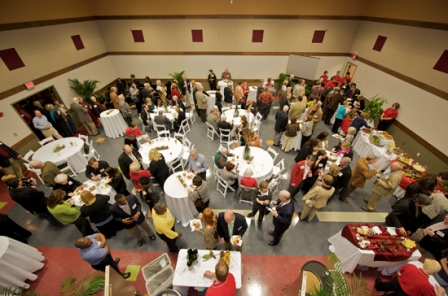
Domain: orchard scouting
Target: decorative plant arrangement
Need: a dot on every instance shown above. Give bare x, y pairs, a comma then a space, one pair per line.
374, 107
85, 89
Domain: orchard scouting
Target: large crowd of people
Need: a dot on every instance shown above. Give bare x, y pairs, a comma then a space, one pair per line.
422, 213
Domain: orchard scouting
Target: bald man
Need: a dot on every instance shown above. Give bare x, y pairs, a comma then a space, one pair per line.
230, 224
282, 212
224, 283
95, 251
128, 156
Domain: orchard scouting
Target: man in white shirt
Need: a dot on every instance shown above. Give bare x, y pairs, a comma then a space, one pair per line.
41, 123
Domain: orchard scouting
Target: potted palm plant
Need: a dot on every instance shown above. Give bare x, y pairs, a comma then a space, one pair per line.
374, 107
85, 89
177, 75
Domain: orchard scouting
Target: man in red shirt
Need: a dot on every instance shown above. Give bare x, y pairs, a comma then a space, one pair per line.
338, 76
331, 83
413, 281
300, 172
264, 102
225, 284
345, 78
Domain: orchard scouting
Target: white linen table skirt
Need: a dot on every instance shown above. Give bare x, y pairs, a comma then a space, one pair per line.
113, 123
183, 279
350, 255
177, 199
72, 153
363, 147
211, 100
252, 93
261, 165
18, 262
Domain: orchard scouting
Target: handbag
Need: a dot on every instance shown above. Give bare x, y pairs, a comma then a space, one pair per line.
199, 202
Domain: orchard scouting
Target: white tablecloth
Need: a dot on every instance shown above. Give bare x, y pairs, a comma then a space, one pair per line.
100, 188
113, 123
18, 261
350, 255
211, 101
363, 147
175, 149
237, 120
73, 154
296, 142
261, 165
252, 93
177, 199
195, 278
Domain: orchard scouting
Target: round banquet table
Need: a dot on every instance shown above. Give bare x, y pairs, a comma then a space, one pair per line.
252, 93
73, 154
177, 199
113, 123
237, 120
175, 149
261, 165
100, 188
18, 261
211, 101
169, 114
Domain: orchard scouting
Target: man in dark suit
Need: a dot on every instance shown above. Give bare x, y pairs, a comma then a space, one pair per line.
128, 210
163, 120
281, 120
223, 124
128, 156
146, 118
282, 216
8, 161
230, 224
353, 92
96, 169
345, 173
434, 238
147, 92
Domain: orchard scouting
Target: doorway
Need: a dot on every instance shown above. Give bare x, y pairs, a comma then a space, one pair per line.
25, 108
350, 67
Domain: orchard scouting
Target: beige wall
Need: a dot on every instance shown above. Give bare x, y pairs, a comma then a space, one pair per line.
48, 49
420, 111
408, 50
101, 70
229, 35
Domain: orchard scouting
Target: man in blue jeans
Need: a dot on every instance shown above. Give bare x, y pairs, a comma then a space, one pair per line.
95, 251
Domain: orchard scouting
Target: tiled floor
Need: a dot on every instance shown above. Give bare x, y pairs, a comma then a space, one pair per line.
266, 269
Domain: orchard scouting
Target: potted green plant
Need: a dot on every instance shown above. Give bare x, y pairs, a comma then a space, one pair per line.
177, 75
374, 107
85, 89
337, 282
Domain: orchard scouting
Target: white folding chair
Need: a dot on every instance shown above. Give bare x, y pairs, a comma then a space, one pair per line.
279, 168
224, 136
46, 140
273, 185
66, 167
84, 138
211, 132
224, 185
27, 156
216, 170
176, 164
184, 127
163, 134
36, 171
159, 128
186, 154
273, 152
245, 194
92, 152
258, 117
191, 117
256, 126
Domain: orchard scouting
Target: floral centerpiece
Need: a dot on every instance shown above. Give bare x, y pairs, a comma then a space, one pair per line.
238, 95
245, 135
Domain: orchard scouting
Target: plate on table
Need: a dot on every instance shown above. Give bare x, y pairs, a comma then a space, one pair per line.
196, 223
236, 240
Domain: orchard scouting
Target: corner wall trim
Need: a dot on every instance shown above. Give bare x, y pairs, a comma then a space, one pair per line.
24, 141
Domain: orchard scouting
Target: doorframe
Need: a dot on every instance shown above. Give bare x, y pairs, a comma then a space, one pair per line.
347, 67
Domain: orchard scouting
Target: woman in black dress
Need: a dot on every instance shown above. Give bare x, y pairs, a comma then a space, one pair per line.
218, 101
158, 167
116, 181
307, 149
96, 207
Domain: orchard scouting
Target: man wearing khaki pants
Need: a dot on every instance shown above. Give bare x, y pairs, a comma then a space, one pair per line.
8, 161
41, 123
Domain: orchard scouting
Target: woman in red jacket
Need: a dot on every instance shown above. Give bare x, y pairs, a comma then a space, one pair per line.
136, 173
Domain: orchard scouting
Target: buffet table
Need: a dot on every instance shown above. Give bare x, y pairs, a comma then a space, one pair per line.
211, 101
175, 150
72, 153
177, 199
184, 278
364, 148
113, 123
18, 262
261, 163
352, 255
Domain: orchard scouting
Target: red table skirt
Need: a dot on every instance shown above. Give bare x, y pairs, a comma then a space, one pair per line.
394, 253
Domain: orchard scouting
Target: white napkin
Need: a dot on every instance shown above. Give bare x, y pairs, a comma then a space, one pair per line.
195, 220
181, 268
376, 229
391, 231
